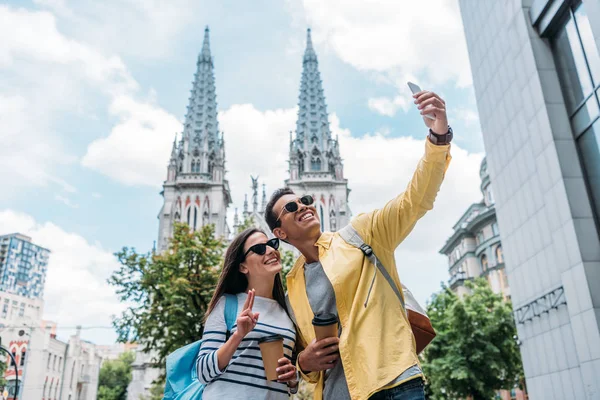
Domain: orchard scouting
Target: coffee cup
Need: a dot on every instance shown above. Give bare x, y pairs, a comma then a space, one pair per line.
325, 325
271, 349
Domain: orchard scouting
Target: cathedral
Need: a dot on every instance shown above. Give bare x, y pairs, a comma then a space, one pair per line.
196, 190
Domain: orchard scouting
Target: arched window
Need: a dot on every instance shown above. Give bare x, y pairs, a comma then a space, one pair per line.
322, 215
189, 216
44, 392
195, 218
315, 163
193, 166
23, 354
332, 221
499, 254
484, 262
205, 218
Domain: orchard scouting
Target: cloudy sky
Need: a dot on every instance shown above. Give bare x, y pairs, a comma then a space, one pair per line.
92, 93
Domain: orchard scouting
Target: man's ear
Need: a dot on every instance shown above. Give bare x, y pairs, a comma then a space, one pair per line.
243, 269
279, 233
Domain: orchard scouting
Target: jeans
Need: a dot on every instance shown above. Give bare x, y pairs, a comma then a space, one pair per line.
411, 390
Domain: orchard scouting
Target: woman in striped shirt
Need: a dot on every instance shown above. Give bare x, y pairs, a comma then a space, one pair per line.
231, 365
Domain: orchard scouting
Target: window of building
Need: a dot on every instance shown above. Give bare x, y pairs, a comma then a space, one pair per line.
54, 363
49, 358
44, 392
315, 163
22, 310
457, 254
499, 255
480, 239
23, 354
495, 229
578, 64
484, 262
59, 364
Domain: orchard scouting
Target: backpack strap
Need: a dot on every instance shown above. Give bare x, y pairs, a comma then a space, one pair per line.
351, 236
231, 304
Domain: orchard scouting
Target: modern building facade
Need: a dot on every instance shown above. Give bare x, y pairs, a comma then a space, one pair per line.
23, 266
536, 74
196, 191
474, 249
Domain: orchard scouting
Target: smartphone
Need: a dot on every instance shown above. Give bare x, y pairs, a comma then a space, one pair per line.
414, 88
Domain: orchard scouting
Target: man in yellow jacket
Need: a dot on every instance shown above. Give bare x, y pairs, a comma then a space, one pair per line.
376, 346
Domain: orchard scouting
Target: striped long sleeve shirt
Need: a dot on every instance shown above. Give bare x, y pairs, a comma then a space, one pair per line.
244, 376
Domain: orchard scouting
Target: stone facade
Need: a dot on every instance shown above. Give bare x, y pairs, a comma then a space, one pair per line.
474, 249
536, 73
196, 191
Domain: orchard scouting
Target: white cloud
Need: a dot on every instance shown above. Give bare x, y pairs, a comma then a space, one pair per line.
468, 116
145, 29
389, 106
31, 101
76, 292
137, 150
397, 38
66, 201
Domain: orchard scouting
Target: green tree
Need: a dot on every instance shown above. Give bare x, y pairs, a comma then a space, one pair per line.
115, 376
475, 352
168, 294
248, 223
287, 262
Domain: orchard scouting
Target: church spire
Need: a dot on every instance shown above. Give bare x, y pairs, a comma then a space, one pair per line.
312, 149
205, 53
203, 151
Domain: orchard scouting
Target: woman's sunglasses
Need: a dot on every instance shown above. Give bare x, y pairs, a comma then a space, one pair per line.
261, 248
293, 206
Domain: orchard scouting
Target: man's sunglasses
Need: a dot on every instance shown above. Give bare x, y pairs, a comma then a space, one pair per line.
261, 248
293, 206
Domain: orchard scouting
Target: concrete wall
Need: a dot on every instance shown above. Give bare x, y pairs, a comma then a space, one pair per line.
548, 233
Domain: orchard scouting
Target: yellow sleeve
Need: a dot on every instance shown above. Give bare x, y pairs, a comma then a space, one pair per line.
390, 225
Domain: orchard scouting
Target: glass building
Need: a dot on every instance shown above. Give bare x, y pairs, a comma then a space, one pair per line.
536, 74
23, 267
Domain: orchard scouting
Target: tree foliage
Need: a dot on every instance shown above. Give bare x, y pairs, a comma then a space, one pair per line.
115, 376
475, 351
167, 294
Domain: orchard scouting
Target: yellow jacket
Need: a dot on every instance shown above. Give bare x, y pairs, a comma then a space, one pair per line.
377, 343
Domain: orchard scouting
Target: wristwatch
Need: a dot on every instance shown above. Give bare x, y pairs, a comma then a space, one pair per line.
441, 139
294, 390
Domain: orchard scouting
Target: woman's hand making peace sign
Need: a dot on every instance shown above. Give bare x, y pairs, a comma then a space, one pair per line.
247, 320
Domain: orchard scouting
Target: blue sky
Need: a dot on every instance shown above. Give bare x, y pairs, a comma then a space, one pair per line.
91, 96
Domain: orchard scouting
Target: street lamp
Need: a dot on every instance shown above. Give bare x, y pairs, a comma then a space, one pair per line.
16, 369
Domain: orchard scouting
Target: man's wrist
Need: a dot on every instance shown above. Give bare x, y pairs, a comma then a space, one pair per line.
440, 139
300, 363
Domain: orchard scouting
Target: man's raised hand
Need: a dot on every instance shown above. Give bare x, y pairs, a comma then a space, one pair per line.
432, 103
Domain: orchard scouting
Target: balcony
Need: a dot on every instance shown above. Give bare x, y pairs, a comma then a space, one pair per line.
457, 280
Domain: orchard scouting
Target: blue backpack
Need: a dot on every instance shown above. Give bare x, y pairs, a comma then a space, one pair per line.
182, 376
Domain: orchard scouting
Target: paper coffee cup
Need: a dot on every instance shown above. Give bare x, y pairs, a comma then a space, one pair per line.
325, 325
271, 349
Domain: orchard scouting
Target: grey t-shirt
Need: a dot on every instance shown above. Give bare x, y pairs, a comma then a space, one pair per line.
321, 298
322, 301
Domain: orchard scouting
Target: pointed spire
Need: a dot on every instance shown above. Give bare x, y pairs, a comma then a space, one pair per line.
309, 53
205, 53
245, 204
264, 199
174, 149
236, 219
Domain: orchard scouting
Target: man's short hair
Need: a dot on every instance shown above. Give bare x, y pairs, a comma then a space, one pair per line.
270, 216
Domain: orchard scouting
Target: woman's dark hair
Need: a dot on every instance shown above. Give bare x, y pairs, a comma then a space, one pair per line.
233, 281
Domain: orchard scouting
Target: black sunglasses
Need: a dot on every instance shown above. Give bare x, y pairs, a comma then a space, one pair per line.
293, 206
261, 248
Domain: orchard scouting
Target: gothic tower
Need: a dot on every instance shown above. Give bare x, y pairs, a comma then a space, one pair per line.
196, 191
315, 162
